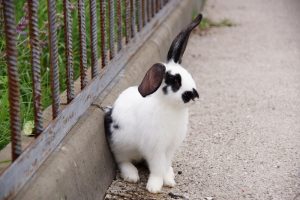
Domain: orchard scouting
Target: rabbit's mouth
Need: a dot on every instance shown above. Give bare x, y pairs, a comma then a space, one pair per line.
189, 95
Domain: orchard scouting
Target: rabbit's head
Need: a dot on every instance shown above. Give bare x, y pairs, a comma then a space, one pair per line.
171, 80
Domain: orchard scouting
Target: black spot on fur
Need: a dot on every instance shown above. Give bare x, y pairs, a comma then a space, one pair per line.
189, 95
108, 120
116, 126
165, 89
173, 81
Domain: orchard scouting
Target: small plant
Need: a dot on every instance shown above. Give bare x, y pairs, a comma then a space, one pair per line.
207, 23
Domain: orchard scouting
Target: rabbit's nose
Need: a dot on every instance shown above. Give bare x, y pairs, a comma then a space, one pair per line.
190, 95
195, 93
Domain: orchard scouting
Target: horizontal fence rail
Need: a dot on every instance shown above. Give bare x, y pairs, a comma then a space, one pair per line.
110, 32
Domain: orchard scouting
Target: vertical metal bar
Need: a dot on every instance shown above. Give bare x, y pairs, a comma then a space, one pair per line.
1, 18
133, 17
54, 70
13, 77
111, 29
139, 14
119, 23
153, 7
103, 32
157, 5
127, 20
82, 35
68, 51
94, 38
35, 64
149, 10
144, 12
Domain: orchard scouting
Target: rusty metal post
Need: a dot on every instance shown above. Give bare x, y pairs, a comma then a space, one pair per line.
82, 35
133, 17
127, 20
94, 38
139, 15
149, 10
111, 29
13, 77
119, 23
158, 5
144, 12
68, 51
103, 32
35, 64
54, 70
1, 18
153, 6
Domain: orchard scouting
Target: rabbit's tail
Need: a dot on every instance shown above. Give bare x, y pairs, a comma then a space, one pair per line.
107, 119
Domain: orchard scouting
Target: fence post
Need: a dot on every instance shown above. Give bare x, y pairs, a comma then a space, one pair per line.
13, 77
35, 65
54, 70
68, 51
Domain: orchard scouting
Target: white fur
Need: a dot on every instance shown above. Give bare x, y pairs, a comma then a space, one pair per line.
152, 128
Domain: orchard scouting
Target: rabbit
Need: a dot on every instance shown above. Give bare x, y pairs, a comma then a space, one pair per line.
149, 122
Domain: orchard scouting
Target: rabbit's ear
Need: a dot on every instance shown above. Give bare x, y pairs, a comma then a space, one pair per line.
152, 79
179, 43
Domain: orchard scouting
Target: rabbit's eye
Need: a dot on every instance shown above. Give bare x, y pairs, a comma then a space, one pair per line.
174, 81
177, 82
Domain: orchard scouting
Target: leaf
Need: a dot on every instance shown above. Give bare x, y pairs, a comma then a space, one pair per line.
28, 128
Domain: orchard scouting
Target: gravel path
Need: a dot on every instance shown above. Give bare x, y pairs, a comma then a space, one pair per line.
244, 136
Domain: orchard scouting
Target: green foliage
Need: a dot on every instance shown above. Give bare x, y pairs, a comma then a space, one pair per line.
207, 23
24, 65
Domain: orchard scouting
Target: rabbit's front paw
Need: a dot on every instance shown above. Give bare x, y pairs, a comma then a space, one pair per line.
129, 172
169, 178
154, 184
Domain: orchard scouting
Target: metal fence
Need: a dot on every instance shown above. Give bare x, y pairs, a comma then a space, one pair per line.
130, 23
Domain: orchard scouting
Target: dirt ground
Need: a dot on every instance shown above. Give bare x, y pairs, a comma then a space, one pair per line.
244, 132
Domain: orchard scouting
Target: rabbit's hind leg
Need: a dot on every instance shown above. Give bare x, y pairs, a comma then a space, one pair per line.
129, 172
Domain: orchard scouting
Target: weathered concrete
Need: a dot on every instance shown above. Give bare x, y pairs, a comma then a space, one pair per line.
82, 167
244, 138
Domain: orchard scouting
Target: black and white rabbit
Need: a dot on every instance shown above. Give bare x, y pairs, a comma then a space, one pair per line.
150, 121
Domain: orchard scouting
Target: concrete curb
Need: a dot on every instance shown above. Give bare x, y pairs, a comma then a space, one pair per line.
82, 167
